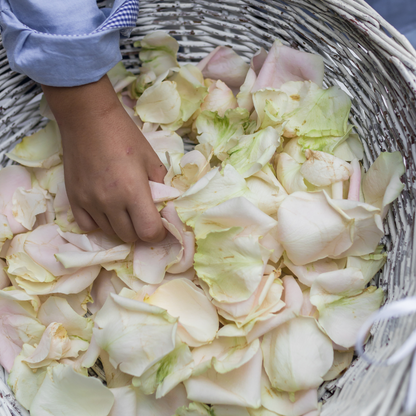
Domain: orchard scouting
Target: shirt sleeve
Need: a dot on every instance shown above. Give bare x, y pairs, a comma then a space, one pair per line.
64, 43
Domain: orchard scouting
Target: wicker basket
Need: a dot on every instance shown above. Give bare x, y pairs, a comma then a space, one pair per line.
364, 55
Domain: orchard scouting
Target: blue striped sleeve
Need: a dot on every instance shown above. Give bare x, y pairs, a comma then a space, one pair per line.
64, 43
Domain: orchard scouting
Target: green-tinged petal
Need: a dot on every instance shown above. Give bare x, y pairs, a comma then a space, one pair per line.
223, 355
120, 78
222, 133
322, 113
232, 266
41, 150
381, 184
158, 52
14, 294
343, 318
135, 334
326, 144
66, 392
161, 103
195, 409
25, 382
350, 149
254, 151
167, 373
190, 86
212, 189
297, 355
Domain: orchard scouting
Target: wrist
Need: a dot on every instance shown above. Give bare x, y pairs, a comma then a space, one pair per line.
76, 106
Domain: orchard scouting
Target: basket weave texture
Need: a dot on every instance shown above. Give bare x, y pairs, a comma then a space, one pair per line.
364, 55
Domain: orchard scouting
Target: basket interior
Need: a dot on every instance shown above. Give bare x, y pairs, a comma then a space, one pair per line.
366, 58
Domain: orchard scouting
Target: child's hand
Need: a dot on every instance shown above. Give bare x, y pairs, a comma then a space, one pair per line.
107, 163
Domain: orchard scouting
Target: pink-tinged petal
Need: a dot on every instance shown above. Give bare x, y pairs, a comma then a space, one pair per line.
239, 387
198, 319
92, 354
80, 240
77, 301
151, 260
53, 346
162, 193
244, 97
18, 325
64, 216
220, 98
293, 298
135, 334
42, 245
130, 401
47, 217
187, 239
107, 282
355, 181
297, 355
11, 178
309, 272
72, 257
271, 242
224, 64
4, 279
27, 204
236, 212
307, 308
285, 64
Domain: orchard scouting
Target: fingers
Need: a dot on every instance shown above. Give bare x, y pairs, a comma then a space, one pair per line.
122, 225
83, 219
146, 218
100, 218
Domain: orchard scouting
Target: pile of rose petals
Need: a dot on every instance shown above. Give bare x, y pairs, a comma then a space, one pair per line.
255, 296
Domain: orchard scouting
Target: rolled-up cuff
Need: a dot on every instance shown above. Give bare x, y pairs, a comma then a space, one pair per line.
63, 60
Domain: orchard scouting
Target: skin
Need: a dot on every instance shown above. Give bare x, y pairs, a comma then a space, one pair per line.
107, 162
